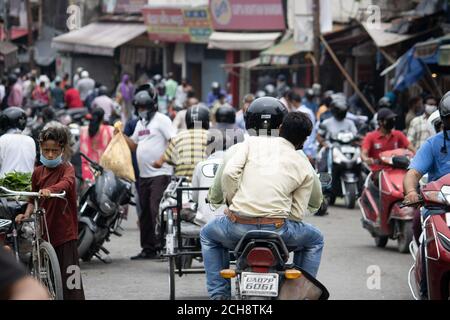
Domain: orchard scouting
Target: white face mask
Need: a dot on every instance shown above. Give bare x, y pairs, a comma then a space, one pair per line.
429, 109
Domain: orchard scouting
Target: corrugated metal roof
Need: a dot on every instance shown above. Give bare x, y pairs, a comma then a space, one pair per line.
382, 38
98, 38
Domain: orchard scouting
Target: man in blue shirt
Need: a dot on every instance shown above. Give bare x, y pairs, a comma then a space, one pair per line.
433, 158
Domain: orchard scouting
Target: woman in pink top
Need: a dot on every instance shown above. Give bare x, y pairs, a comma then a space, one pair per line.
93, 141
41, 94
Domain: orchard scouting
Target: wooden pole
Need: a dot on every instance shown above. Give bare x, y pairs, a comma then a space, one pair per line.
316, 31
346, 75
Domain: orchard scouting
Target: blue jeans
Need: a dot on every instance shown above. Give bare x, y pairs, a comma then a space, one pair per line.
221, 235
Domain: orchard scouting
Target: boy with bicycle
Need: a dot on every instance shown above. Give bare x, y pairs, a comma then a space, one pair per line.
57, 175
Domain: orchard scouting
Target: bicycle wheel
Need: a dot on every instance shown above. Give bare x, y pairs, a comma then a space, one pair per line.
50, 275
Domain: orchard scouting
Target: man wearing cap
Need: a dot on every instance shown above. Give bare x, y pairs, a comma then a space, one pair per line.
383, 139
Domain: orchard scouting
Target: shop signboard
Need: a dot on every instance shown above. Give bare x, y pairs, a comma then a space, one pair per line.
178, 24
247, 15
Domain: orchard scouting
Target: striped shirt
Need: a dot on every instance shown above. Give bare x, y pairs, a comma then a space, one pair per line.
186, 150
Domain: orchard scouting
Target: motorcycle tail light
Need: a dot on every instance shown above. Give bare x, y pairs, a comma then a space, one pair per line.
292, 274
228, 273
260, 257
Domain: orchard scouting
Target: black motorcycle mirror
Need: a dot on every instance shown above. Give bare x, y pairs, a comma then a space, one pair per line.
325, 179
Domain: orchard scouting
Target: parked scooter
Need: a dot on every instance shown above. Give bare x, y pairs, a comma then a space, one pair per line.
382, 214
262, 271
101, 209
433, 254
344, 165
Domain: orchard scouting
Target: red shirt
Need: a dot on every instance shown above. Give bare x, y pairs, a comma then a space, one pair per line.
62, 219
375, 143
72, 99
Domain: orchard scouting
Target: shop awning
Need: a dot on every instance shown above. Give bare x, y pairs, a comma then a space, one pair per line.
250, 64
242, 41
8, 54
98, 38
383, 39
280, 53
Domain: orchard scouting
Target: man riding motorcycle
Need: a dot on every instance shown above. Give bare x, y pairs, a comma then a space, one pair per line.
332, 126
433, 159
385, 138
264, 196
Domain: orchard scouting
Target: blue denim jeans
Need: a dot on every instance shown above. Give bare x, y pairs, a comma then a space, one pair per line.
221, 235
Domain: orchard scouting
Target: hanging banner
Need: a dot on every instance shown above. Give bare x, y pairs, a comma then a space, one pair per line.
178, 24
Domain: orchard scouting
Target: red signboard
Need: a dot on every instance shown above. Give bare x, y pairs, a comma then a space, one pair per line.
249, 15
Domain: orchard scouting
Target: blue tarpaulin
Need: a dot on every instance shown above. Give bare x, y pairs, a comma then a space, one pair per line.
411, 67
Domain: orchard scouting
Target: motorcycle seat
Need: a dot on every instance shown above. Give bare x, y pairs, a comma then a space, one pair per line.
261, 235
190, 230
11, 209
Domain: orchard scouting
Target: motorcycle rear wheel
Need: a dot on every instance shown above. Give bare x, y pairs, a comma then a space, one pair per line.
85, 240
381, 241
405, 236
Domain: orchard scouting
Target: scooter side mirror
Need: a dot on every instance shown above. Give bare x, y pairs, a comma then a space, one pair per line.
400, 162
325, 179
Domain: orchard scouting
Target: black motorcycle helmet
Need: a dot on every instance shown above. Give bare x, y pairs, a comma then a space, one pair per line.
150, 88
102, 91
226, 114
143, 100
13, 118
197, 114
12, 79
265, 113
444, 112
339, 107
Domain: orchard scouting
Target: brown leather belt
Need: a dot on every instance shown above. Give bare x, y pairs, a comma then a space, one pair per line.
278, 222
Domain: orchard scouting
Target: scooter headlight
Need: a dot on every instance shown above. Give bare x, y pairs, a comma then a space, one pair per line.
338, 157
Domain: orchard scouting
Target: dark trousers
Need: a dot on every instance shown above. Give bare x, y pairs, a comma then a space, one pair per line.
67, 254
150, 194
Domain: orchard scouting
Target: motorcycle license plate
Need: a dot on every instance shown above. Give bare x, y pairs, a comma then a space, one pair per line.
347, 149
259, 284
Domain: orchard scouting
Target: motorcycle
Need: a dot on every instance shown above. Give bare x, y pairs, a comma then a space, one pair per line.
432, 256
380, 205
262, 271
101, 209
344, 166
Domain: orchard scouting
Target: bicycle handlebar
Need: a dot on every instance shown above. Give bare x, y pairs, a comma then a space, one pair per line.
30, 194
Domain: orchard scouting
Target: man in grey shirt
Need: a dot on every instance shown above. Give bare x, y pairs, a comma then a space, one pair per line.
85, 85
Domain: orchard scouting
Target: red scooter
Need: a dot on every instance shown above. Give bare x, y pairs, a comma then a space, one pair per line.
381, 198
433, 254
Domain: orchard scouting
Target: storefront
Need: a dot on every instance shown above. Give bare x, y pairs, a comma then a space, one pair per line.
107, 50
243, 29
184, 29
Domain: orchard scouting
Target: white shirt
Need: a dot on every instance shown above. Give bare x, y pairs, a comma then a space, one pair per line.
85, 86
152, 140
2, 92
17, 153
205, 212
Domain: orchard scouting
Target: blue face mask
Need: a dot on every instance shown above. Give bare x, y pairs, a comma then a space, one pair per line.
51, 163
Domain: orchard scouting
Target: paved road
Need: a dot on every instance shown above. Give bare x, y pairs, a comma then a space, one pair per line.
348, 254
